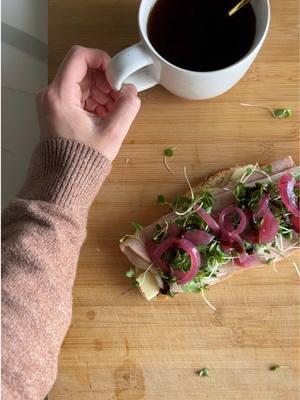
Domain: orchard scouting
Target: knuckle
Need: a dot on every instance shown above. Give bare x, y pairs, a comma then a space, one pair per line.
76, 49
50, 96
49, 99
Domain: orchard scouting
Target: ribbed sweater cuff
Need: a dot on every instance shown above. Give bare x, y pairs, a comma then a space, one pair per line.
66, 173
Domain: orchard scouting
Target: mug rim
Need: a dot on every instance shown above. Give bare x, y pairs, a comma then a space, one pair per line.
146, 39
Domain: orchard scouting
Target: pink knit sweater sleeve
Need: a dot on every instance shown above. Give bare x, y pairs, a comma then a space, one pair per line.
42, 233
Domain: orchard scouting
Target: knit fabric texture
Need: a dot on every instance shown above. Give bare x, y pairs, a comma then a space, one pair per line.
43, 230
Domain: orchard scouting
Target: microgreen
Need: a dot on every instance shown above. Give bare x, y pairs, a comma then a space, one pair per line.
296, 268
277, 366
181, 204
189, 183
241, 193
206, 301
297, 175
130, 273
281, 113
248, 197
192, 287
169, 152
213, 258
161, 232
205, 200
203, 372
255, 168
186, 206
192, 221
161, 199
178, 259
186, 210
270, 260
267, 169
278, 113
274, 367
167, 278
137, 226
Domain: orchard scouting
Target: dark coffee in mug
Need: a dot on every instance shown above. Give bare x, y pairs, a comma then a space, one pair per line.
199, 35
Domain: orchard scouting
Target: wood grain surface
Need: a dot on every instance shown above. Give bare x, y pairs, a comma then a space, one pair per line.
120, 347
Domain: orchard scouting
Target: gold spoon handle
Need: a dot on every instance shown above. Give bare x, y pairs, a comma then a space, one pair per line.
238, 7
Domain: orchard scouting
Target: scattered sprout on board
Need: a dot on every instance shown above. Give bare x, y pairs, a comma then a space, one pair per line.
278, 113
160, 199
297, 268
169, 152
130, 273
281, 113
203, 372
274, 367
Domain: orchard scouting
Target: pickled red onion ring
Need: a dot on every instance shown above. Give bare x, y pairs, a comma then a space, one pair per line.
156, 252
211, 222
286, 187
228, 228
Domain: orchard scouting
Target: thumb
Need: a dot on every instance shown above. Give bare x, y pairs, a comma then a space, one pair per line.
123, 113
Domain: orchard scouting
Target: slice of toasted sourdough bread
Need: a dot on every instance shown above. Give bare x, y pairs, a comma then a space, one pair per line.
221, 185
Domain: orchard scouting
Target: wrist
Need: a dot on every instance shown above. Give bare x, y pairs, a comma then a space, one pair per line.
66, 173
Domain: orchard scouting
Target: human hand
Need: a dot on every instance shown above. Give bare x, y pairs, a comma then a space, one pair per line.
80, 104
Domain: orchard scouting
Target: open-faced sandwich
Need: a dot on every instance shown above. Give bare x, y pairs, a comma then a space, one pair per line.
236, 219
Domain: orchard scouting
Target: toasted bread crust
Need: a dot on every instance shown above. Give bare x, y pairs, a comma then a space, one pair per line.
216, 180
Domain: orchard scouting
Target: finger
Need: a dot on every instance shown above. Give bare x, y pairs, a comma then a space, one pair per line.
101, 82
85, 87
76, 63
91, 105
114, 95
124, 111
84, 96
110, 105
99, 97
84, 93
101, 111
87, 81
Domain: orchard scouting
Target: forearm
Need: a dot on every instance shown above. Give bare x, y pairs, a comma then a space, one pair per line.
43, 231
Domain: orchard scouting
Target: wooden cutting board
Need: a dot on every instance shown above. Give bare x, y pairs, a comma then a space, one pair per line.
121, 347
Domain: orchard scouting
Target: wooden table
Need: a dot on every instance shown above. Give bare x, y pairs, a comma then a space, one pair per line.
121, 347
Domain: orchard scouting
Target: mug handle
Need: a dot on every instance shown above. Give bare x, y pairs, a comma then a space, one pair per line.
132, 65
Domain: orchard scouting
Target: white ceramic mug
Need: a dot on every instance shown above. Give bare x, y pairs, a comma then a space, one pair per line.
144, 67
